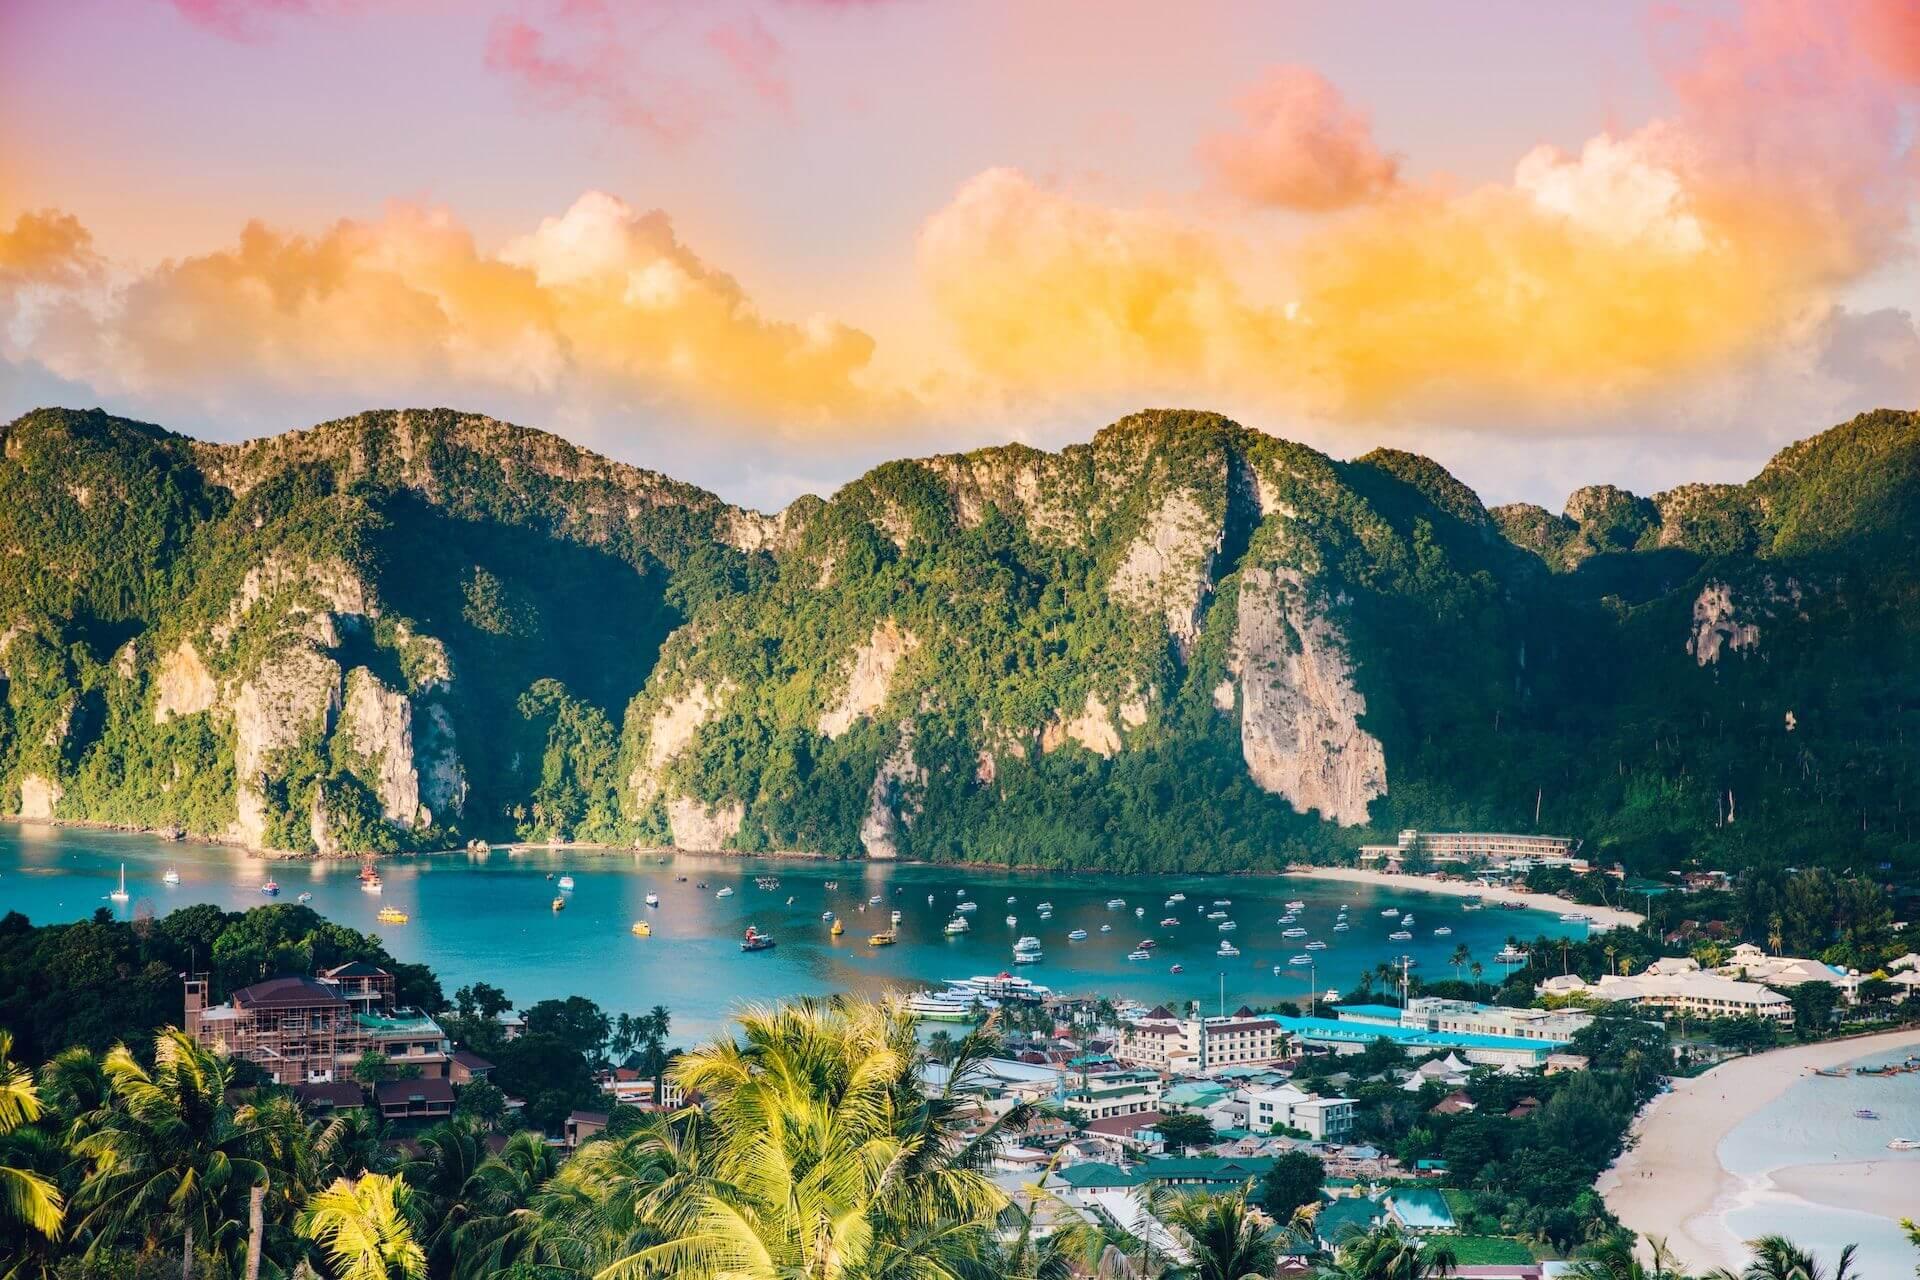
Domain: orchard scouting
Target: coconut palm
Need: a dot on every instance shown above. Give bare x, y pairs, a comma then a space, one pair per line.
819, 1156
1778, 1258
1387, 1253
26, 1198
169, 1160
1220, 1238
365, 1229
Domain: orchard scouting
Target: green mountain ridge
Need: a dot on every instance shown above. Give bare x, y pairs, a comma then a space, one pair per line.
1185, 644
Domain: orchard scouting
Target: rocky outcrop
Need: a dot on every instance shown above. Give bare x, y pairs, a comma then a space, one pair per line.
1091, 728
39, 796
294, 691
870, 677
183, 686
1299, 716
701, 828
893, 801
1168, 567
377, 723
672, 729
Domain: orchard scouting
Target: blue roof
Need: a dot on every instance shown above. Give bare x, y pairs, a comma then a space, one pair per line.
1368, 1011
1327, 1029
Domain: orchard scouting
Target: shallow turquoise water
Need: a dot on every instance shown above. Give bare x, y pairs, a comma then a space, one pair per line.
487, 917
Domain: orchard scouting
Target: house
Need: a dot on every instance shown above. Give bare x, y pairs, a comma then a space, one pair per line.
423, 1098
582, 1125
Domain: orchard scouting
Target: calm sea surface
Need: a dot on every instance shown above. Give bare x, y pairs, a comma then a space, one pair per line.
487, 917
1814, 1123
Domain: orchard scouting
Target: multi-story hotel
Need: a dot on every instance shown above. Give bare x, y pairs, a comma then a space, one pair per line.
302, 1030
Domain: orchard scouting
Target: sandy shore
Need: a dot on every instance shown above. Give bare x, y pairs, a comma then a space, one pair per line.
1604, 917
1669, 1185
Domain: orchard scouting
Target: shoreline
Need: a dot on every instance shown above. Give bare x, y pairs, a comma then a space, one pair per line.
1603, 917
1669, 1183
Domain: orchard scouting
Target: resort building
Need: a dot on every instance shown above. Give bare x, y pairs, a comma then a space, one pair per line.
302, 1030
1678, 985
1501, 849
1322, 1119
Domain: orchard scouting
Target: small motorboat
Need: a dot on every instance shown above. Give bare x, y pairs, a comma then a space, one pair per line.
566, 882
754, 940
641, 929
653, 899
172, 877
271, 888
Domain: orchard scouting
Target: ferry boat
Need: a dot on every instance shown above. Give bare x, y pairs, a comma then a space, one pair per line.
839, 927
641, 929
120, 894
754, 940
1078, 935
1138, 954
885, 938
947, 1006
305, 897
1170, 922
1302, 960
653, 899
1443, 932
1295, 932
1004, 987
1227, 949
1400, 935
558, 904
1116, 904
271, 888
725, 891
958, 925
566, 882
390, 915
172, 877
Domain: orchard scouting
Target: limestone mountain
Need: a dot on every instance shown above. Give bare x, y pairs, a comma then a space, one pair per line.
1184, 644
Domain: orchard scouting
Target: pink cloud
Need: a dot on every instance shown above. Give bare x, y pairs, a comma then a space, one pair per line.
755, 55
1301, 147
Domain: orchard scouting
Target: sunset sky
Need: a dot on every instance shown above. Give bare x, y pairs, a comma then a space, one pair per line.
761, 244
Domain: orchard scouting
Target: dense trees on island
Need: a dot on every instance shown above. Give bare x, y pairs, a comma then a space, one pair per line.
405, 629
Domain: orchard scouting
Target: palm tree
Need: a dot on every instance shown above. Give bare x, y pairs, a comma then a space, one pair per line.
1615, 1258
365, 1229
169, 1159
1387, 1253
26, 1198
1778, 1258
819, 1155
1219, 1236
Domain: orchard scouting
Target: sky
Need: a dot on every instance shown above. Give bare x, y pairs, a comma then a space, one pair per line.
762, 245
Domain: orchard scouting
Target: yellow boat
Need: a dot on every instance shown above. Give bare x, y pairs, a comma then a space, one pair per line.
641, 929
838, 928
559, 904
885, 938
391, 915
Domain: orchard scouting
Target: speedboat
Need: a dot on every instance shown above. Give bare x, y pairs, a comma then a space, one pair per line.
271, 888
754, 940
725, 891
958, 925
172, 877
1078, 935
1227, 949
653, 899
565, 882
120, 894
1399, 935
1138, 954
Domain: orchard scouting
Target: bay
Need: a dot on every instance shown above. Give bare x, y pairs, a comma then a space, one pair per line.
487, 917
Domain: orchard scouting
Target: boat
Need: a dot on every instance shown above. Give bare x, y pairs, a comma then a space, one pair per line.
172, 877
754, 940
120, 894
725, 891
1296, 905
1138, 954
1295, 932
1302, 960
371, 884
1443, 932
653, 899
1227, 949
1400, 935
1866, 1113
1316, 945
1904, 1144
885, 938
391, 915
1227, 926
558, 904
839, 927
1116, 904
947, 1006
958, 925
271, 888
641, 929
566, 882
305, 897
1179, 968
1170, 922
1078, 935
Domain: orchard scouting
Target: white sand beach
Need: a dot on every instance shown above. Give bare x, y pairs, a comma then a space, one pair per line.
1670, 1185
1604, 917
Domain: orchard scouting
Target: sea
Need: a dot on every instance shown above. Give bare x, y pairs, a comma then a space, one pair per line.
488, 917
1815, 1123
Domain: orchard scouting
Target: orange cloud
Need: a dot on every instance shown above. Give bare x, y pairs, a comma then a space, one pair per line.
1302, 147
601, 309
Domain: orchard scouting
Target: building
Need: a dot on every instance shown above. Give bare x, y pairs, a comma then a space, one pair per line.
1165, 1042
1677, 985
1322, 1119
302, 1030
1501, 849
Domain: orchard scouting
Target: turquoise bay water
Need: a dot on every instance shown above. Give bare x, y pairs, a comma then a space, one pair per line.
487, 917
1814, 1123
